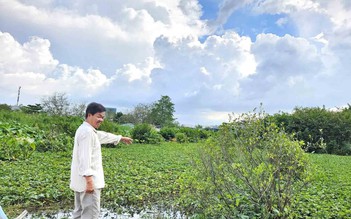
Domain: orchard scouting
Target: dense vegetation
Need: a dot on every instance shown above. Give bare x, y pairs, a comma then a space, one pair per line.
139, 175
322, 130
24, 133
253, 167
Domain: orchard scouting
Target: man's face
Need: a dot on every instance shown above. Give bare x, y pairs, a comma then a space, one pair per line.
96, 119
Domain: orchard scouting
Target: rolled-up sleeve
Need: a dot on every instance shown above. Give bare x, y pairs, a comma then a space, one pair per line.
85, 147
107, 138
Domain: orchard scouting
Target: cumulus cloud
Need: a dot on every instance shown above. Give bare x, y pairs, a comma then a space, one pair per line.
203, 75
104, 34
32, 66
127, 52
16, 57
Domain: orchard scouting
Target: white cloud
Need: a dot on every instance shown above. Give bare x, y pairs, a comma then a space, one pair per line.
108, 34
122, 53
139, 71
33, 67
286, 6
203, 74
281, 60
282, 21
16, 57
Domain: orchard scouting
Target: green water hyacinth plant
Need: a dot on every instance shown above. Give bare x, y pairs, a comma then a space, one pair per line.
17, 141
14, 148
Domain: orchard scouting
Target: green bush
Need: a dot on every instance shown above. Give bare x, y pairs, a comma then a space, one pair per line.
181, 137
146, 134
252, 169
203, 134
195, 134
168, 133
109, 126
5, 107
192, 134
312, 125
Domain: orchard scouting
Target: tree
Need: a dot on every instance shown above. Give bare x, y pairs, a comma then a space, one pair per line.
142, 113
118, 117
31, 109
57, 104
78, 109
5, 107
159, 113
126, 118
162, 112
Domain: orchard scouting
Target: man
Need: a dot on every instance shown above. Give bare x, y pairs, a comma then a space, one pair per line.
87, 176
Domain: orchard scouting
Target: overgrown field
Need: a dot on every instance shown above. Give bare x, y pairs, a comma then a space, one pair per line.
329, 195
139, 176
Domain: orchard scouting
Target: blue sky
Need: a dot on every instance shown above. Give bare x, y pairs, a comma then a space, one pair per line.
210, 9
212, 57
247, 24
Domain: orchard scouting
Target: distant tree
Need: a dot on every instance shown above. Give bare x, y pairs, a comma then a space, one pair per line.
117, 117
78, 109
57, 104
5, 107
31, 109
159, 113
142, 113
162, 112
127, 118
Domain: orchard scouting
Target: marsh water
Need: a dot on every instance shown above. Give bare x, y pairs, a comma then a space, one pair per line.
106, 214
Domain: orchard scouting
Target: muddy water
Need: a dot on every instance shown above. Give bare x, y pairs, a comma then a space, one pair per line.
105, 214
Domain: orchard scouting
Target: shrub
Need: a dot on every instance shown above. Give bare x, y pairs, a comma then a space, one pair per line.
313, 124
5, 107
109, 126
252, 169
181, 137
145, 133
192, 134
168, 133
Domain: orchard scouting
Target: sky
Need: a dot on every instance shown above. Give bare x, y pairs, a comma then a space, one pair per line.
213, 58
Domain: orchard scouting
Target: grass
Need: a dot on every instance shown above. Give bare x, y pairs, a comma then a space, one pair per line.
140, 176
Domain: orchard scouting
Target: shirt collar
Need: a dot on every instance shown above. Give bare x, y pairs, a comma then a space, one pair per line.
87, 124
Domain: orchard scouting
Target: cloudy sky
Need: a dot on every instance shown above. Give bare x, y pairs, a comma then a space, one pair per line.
211, 57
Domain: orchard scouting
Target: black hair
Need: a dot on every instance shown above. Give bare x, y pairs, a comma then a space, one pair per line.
93, 108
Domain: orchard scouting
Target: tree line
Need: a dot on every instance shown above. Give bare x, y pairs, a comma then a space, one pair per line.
321, 130
159, 113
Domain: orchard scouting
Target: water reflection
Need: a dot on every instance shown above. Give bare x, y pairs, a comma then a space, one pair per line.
106, 214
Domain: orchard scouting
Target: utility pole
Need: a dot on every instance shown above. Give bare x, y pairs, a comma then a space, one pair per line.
18, 95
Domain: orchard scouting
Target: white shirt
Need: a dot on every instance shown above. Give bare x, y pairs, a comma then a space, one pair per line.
86, 158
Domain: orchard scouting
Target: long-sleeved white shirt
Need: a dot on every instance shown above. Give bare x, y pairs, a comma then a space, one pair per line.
87, 158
